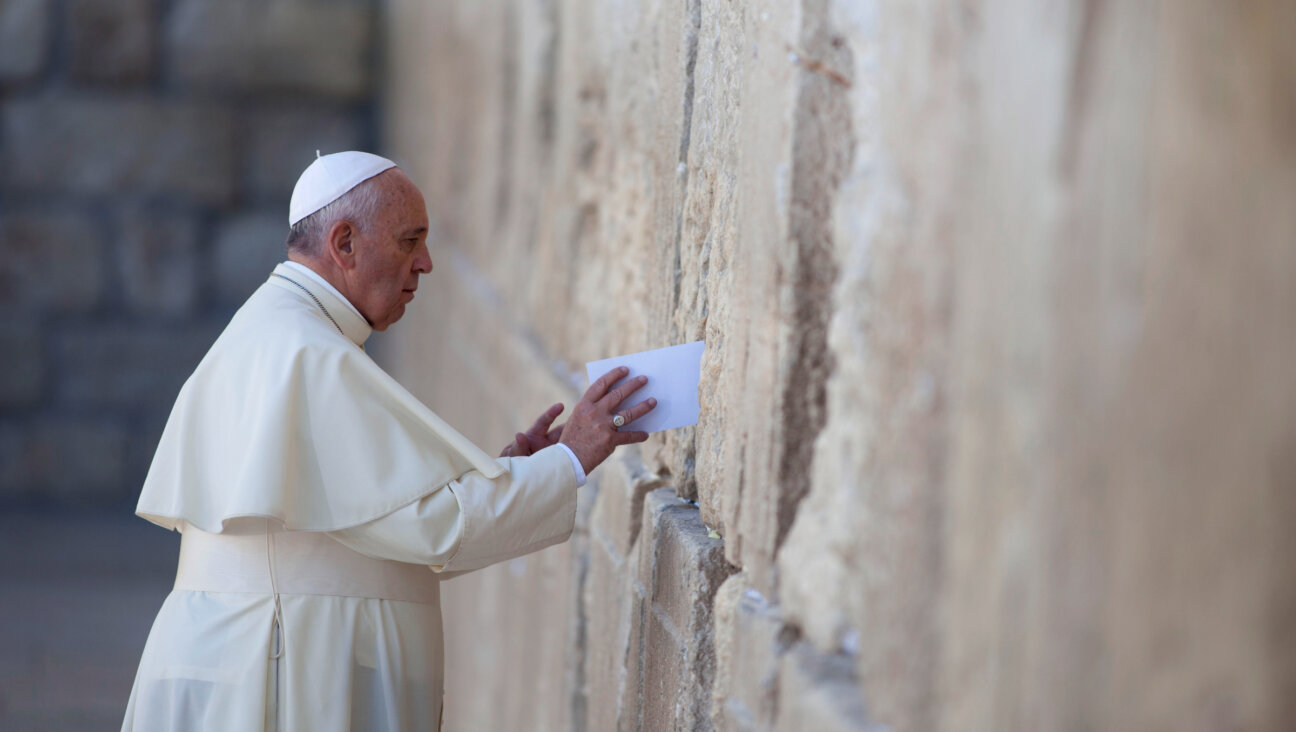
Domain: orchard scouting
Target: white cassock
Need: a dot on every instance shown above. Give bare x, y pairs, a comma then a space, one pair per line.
320, 505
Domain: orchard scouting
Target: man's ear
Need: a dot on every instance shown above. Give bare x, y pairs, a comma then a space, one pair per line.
341, 244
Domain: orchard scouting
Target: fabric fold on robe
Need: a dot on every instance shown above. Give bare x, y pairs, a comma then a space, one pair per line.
286, 419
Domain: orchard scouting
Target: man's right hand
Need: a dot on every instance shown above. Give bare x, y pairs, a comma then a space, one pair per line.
589, 433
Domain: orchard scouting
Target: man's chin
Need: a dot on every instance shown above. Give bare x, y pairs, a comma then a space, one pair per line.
396, 314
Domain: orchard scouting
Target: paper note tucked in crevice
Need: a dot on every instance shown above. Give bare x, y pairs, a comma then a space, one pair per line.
672, 373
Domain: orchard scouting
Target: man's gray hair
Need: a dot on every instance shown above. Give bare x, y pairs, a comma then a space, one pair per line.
357, 206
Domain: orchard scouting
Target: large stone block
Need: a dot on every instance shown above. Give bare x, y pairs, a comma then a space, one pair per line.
70, 460
135, 368
101, 145
688, 564
247, 248
158, 257
681, 568
22, 342
861, 566
283, 141
24, 39
51, 261
294, 46
111, 40
783, 304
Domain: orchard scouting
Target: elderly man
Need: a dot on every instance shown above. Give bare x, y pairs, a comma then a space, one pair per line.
320, 503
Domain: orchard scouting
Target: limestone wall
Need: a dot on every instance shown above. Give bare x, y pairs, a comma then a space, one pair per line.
148, 149
998, 395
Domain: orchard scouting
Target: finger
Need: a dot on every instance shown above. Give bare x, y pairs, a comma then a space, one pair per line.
639, 410
600, 387
555, 434
626, 438
623, 392
542, 423
523, 444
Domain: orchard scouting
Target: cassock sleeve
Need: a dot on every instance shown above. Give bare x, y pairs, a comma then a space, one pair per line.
477, 521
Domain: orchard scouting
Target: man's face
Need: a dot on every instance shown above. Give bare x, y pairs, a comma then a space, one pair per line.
391, 252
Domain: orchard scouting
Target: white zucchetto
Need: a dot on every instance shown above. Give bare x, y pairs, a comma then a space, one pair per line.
325, 180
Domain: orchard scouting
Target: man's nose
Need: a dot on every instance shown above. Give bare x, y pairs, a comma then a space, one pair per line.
423, 262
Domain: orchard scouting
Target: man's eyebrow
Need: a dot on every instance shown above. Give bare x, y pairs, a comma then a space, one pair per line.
415, 232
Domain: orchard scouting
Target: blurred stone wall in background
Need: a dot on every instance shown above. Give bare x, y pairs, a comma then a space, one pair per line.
998, 400
147, 152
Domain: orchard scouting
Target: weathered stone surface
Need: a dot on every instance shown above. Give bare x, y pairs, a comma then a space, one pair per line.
283, 141
618, 513
688, 566
294, 46
615, 597
158, 256
998, 468
821, 693
750, 636
111, 40
861, 566
24, 39
101, 145
23, 344
681, 568
996, 298
70, 460
247, 248
130, 367
630, 695
53, 260
539, 633
712, 271
613, 609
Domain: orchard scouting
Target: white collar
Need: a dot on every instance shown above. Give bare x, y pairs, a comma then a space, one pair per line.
333, 306
298, 266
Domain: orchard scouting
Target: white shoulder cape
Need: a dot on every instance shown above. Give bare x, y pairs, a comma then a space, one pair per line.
287, 418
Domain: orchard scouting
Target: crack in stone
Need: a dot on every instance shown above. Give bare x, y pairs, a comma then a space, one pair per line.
690, 64
823, 146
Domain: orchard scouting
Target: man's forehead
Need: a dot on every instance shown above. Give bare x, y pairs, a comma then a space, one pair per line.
402, 197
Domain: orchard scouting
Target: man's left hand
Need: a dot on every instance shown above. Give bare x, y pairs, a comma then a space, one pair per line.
538, 437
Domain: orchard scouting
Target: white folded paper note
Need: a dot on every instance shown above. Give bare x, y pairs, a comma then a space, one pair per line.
672, 380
